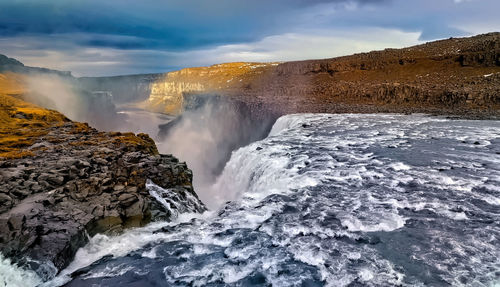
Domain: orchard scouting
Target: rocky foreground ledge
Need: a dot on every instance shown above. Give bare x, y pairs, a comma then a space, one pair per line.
61, 181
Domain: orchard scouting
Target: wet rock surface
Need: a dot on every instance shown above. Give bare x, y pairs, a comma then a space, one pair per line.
79, 182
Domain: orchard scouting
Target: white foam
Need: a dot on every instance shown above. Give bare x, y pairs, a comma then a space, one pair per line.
330, 166
102, 245
365, 275
113, 271
400, 166
150, 253
387, 222
12, 275
171, 200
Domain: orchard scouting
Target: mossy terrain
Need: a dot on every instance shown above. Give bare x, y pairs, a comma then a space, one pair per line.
23, 123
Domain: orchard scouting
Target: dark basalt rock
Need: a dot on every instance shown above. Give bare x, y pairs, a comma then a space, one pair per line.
82, 182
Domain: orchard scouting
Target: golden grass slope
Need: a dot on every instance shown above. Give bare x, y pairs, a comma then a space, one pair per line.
21, 123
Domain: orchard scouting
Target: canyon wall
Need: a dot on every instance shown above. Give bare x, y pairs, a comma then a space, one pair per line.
124, 89
457, 75
449, 74
167, 93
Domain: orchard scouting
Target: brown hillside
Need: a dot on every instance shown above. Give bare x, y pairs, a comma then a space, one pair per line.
21, 122
450, 74
457, 75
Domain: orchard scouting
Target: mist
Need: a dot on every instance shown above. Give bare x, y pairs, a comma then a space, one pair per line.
53, 92
125, 89
205, 136
65, 95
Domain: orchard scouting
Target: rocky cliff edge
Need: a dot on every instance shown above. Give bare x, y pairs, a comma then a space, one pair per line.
62, 181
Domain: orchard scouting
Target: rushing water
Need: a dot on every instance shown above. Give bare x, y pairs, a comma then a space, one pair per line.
329, 200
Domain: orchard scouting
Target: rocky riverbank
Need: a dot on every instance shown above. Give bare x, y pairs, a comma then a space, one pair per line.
61, 181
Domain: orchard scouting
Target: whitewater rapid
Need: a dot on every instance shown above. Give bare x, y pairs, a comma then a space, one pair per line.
329, 200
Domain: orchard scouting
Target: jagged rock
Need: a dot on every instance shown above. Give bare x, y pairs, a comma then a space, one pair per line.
83, 183
5, 199
127, 199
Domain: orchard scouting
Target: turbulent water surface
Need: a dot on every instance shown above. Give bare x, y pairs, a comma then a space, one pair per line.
335, 200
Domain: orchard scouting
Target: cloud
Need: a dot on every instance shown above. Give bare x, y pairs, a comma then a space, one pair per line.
289, 46
310, 45
125, 36
172, 25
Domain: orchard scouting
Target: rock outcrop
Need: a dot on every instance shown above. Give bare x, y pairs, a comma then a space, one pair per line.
61, 181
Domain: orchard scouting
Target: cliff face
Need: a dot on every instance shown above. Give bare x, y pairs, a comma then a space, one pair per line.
61, 180
167, 96
454, 73
124, 89
451, 76
167, 93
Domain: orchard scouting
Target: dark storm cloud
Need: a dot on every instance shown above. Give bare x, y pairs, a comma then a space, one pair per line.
109, 37
155, 24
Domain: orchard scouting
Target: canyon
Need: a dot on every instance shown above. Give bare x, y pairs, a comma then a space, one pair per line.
458, 76
62, 180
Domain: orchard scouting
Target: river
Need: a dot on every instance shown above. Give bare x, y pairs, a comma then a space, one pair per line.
328, 200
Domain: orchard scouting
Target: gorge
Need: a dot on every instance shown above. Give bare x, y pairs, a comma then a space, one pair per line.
308, 172
457, 75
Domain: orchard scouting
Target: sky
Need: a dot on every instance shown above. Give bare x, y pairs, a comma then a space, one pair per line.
117, 37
